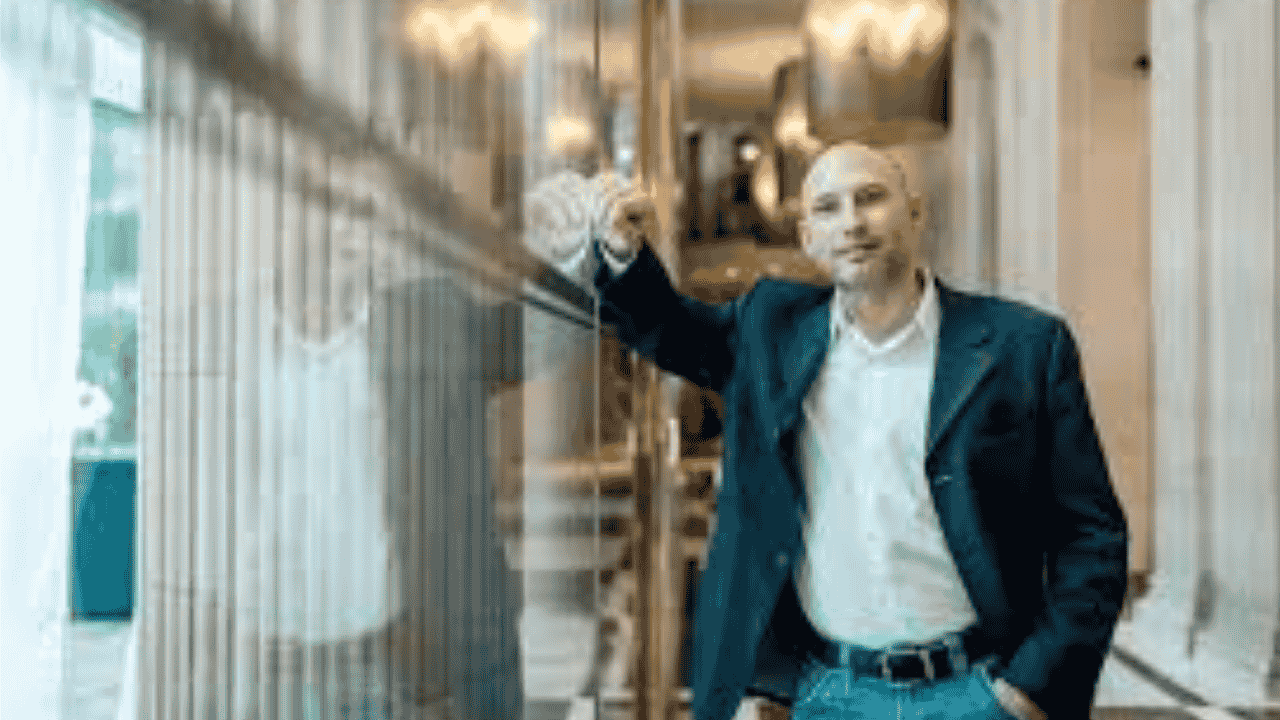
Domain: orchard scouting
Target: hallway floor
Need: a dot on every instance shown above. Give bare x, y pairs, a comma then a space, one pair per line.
95, 657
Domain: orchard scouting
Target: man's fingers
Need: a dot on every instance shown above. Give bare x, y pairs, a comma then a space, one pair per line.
556, 222
634, 211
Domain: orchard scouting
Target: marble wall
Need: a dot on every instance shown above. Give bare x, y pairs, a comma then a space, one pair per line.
1213, 608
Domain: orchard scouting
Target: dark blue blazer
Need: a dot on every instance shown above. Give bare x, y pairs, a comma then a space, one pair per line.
1013, 460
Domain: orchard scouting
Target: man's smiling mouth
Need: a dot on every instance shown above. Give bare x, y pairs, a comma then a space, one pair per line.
858, 249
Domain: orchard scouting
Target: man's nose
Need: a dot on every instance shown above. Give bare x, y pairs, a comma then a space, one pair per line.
857, 229
855, 219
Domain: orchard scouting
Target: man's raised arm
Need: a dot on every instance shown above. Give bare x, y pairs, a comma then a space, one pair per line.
597, 232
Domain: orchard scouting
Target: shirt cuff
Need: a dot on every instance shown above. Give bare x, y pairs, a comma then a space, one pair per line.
617, 265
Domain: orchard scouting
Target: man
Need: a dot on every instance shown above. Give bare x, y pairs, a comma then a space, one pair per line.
916, 517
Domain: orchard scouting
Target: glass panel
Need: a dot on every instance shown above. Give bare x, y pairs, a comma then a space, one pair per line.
46, 140
371, 456
109, 321
104, 463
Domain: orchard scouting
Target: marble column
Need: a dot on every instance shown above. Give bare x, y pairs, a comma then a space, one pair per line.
46, 138
1025, 37
1002, 233
660, 118
1210, 619
966, 253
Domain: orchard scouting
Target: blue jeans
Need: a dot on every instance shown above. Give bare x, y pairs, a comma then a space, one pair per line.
836, 693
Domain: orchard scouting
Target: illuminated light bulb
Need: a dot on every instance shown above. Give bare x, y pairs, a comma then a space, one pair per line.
921, 26
792, 131
792, 128
512, 36
568, 134
932, 27
436, 30
889, 31
764, 186
839, 28
454, 34
896, 37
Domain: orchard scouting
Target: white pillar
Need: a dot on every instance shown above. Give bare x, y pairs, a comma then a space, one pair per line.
966, 251
1026, 36
1003, 233
1213, 286
45, 145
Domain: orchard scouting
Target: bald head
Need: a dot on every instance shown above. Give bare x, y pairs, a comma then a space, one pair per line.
838, 165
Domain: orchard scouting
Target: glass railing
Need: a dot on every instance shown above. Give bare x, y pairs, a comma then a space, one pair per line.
373, 467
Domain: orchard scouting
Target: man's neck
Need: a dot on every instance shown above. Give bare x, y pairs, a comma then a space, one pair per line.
878, 315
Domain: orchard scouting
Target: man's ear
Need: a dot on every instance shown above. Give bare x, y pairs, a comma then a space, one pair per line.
805, 235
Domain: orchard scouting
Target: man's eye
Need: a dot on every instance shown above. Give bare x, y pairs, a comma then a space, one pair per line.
825, 207
871, 196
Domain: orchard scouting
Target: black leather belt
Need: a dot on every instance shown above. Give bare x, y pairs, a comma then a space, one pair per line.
938, 660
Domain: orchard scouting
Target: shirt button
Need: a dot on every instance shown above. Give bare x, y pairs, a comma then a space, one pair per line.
782, 559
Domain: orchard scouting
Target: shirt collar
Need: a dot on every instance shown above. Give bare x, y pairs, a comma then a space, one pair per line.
926, 321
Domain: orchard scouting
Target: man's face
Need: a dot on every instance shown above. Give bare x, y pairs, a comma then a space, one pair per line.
858, 222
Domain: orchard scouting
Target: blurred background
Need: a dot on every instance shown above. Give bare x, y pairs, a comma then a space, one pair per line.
296, 428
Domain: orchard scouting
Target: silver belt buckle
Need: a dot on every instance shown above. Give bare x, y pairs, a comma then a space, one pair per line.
930, 673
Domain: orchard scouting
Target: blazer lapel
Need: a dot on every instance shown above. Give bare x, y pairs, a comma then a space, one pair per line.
802, 356
964, 359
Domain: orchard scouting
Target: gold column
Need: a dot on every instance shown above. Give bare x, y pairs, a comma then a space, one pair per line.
660, 117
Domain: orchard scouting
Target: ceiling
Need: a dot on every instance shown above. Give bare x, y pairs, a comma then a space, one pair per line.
711, 16
732, 49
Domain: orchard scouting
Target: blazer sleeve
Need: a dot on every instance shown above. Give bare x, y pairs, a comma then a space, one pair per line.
680, 334
1087, 538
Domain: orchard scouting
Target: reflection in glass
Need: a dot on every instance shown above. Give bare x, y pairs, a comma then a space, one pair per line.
371, 448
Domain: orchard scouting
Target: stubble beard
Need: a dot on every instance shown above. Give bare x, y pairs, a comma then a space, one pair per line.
876, 277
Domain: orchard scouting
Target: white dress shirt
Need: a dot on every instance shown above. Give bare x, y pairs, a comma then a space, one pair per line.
876, 568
